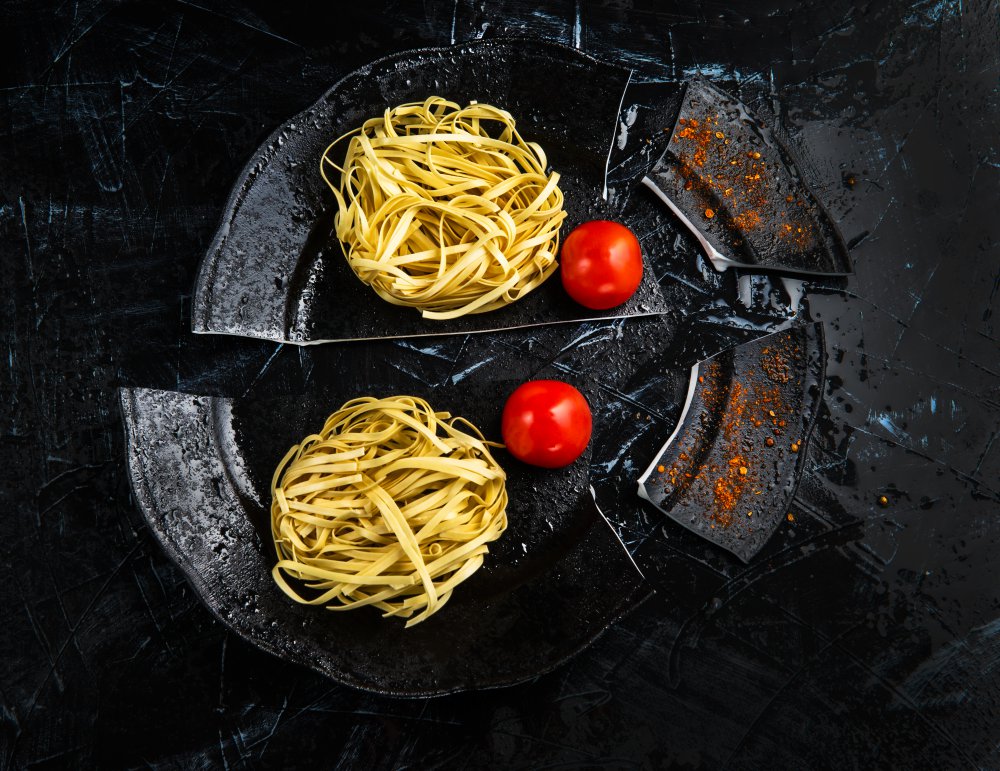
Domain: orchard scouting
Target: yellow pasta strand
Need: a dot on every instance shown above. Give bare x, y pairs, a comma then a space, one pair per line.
439, 214
391, 505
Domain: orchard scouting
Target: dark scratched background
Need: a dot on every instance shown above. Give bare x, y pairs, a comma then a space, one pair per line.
871, 641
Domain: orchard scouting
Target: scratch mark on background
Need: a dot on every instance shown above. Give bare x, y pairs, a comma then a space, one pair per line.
241, 22
27, 240
917, 299
54, 662
985, 452
884, 681
64, 85
923, 335
809, 662
222, 671
977, 483
267, 365
71, 42
152, 613
274, 726
902, 143
885, 420
930, 377
159, 196
222, 750
173, 48
57, 501
44, 642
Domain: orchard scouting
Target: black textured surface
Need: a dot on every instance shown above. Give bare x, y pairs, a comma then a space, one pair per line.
275, 271
860, 636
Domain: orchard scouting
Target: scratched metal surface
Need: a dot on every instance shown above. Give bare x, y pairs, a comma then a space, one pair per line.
867, 636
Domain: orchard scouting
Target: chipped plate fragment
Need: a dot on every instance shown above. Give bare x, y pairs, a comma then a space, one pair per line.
738, 189
645, 119
731, 466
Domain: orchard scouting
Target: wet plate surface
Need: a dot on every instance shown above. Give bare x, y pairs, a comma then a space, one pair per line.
275, 271
729, 471
200, 469
731, 180
646, 117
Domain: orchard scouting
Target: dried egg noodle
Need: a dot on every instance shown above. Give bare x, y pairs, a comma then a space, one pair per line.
436, 213
391, 505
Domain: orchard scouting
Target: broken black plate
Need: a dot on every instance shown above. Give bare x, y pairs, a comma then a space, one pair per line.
200, 469
275, 271
739, 190
731, 466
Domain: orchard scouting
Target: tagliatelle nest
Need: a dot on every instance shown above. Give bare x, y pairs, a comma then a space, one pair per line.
445, 208
391, 504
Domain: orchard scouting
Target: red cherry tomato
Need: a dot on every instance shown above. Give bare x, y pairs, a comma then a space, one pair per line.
601, 264
546, 423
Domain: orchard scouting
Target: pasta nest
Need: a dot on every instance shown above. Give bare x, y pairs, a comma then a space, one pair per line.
437, 213
391, 504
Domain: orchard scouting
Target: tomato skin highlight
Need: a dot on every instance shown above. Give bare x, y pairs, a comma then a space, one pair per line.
546, 423
601, 264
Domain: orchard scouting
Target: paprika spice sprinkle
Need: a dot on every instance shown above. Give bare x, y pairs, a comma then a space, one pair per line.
750, 408
722, 474
716, 169
738, 188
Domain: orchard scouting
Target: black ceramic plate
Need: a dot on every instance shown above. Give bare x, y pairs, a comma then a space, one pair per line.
201, 466
647, 113
274, 270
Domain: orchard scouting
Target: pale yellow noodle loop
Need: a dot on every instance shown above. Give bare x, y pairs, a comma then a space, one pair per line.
446, 208
391, 505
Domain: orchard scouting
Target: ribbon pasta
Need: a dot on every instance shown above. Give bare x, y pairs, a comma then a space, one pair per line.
391, 504
437, 213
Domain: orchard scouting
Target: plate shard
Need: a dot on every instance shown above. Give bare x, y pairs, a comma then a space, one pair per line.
739, 190
730, 469
274, 270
